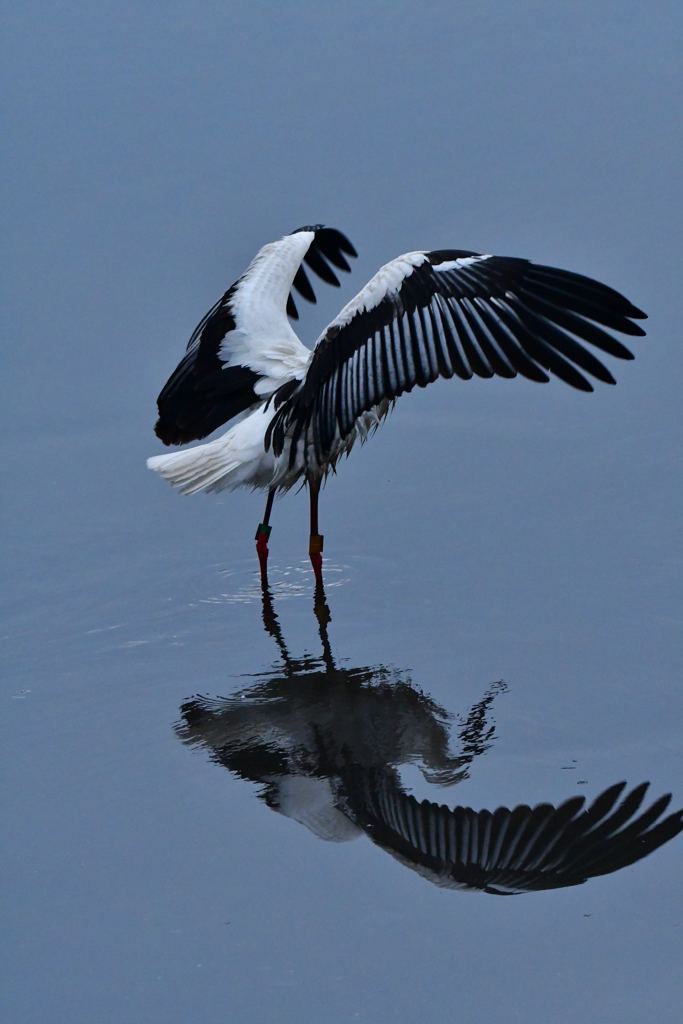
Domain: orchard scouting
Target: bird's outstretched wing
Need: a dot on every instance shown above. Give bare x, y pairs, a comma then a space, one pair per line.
514, 851
244, 348
444, 313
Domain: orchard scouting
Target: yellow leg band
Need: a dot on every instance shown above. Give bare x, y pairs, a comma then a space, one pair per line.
315, 545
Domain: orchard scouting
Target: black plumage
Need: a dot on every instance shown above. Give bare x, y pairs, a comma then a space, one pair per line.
484, 316
513, 851
201, 394
328, 246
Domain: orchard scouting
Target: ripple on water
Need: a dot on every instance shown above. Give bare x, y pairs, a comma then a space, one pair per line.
284, 582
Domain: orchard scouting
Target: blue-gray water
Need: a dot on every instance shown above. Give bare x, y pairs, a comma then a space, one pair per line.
492, 530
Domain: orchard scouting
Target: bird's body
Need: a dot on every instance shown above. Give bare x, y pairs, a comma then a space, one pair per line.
424, 315
263, 343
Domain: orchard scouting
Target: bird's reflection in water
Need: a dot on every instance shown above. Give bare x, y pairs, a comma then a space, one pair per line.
326, 745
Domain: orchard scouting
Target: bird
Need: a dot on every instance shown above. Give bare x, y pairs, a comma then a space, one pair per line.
424, 315
326, 742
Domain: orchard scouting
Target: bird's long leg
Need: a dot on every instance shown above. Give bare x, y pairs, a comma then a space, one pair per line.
315, 547
262, 535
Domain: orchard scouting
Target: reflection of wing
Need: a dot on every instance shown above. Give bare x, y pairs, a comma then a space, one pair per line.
514, 851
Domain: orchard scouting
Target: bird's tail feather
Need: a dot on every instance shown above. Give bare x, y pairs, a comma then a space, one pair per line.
194, 470
237, 459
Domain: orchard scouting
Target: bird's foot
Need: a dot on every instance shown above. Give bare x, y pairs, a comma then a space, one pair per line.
262, 535
315, 550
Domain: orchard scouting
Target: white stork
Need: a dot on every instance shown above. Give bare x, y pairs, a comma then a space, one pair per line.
422, 316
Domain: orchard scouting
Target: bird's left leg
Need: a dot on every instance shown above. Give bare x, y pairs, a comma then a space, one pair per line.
315, 547
262, 535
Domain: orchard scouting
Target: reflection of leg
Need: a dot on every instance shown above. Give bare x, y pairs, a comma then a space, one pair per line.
315, 547
271, 622
262, 535
322, 614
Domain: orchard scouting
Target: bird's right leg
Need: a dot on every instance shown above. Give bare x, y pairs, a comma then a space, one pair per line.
262, 535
